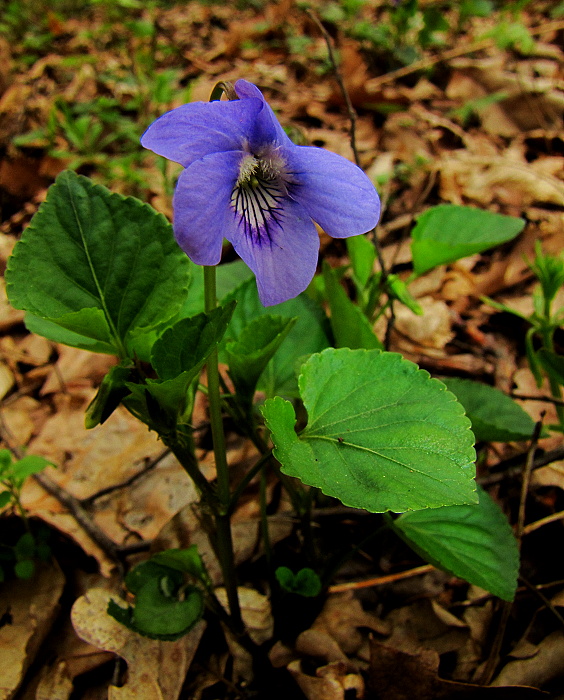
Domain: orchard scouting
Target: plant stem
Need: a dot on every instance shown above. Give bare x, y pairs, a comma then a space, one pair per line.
222, 520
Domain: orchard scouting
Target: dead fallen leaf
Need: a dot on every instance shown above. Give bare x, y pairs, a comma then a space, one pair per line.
541, 665
342, 617
156, 670
28, 609
255, 611
431, 330
331, 682
396, 675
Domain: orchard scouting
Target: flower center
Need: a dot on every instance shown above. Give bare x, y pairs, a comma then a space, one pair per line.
260, 187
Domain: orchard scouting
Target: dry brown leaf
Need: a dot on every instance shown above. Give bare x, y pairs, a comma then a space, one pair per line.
478, 618
538, 668
55, 684
551, 475
22, 418
7, 380
397, 675
30, 608
331, 682
8, 315
106, 456
76, 369
431, 330
426, 625
255, 611
319, 644
341, 618
156, 670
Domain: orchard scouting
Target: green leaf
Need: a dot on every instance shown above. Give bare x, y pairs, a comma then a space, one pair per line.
448, 232
309, 335
186, 346
552, 363
178, 357
5, 498
147, 571
186, 560
88, 248
25, 546
228, 277
163, 405
157, 613
24, 569
91, 321
398, 289
381, 434
350, 326
127, 617
249, 355
475, 543
363, 256
110, 394
5, 460
495, 417
28, 465
305, 583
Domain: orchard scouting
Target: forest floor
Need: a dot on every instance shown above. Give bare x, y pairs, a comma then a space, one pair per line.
463, 111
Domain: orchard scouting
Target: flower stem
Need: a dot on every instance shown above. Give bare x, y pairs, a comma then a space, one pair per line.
222, 520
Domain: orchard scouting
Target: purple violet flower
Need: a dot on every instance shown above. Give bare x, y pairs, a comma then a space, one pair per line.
244, 180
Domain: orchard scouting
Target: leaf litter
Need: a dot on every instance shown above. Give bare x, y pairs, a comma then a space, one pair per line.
482, 129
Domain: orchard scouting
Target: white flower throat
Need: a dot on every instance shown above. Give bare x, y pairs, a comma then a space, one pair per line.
260, 187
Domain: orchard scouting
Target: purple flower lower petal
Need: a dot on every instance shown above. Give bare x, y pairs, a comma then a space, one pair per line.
195, 130
267, 128
284, 256
334, 191
201, 204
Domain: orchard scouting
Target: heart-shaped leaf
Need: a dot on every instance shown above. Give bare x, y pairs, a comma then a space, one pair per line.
99, 265
381, 434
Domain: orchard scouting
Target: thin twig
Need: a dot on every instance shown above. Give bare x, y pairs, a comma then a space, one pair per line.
531, 527
527, 480
339, 78
150, 464
512, 467
70, 502
82, 517
374, 84
543, 598
494, 655
352, 136
544, 399
380, 580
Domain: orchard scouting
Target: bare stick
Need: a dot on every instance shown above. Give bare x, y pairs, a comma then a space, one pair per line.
73, 505
381, 580
374, 84
340, 81
527, 480
147, 467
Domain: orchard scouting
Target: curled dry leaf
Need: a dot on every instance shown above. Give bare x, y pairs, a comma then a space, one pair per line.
255, 611
431, 330
331, 682
30, 608
341, 619
156, 670
319, 644
540, 666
